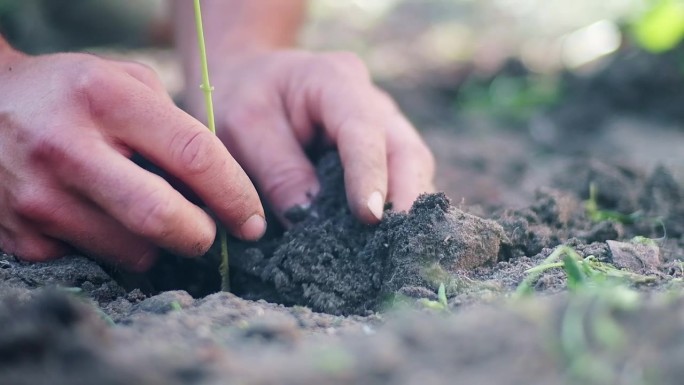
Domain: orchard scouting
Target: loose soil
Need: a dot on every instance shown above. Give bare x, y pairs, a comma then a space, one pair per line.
333, 301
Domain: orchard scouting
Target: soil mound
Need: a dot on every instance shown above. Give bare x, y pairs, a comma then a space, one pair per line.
332, 263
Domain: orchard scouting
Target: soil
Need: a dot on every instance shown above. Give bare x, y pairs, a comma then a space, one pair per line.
333, 301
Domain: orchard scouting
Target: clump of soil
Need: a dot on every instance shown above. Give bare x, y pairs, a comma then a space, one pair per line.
332, 263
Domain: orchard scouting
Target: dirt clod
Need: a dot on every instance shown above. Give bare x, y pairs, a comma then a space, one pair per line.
332, 263
635, 256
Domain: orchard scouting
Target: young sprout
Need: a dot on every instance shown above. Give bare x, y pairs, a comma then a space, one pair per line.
441, 296
441, 304
207, 88
580, 272
598, 215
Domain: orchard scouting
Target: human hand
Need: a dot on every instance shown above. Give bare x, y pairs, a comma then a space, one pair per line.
69, 124
270, 105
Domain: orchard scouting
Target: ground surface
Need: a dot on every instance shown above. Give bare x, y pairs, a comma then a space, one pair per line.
332, 301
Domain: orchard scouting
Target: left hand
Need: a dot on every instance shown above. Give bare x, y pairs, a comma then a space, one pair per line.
270, 105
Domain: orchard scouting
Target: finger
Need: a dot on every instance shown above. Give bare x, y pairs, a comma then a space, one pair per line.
19, 238
274, 158
142, 202
361, 144
87, 228
411, 165
182, 146
357, 118
27, 245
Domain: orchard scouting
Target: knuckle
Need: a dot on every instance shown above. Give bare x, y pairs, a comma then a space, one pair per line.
151, 218
283, 179
47, 146
346, 62
32, 203
143, 70
250, 114
145, 74
94, 87
195, 152
373, 124
91, 78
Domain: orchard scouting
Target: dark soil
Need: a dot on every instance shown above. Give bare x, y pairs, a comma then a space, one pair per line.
333, 301
330, 262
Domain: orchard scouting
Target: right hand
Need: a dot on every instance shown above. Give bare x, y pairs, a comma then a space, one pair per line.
69, 124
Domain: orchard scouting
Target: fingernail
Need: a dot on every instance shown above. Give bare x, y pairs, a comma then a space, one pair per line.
376, 204
253, 228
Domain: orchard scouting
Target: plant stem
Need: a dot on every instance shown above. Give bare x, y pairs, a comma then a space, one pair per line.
207, 88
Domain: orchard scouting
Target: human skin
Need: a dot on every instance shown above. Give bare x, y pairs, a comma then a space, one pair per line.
73, 122
69, 124
273, 101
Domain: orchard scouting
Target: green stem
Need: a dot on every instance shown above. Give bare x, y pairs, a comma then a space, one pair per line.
207, 88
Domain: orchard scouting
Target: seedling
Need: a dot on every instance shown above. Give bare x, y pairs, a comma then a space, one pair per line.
176, 306
598, 215
207, 89
441, 304
581, 272
590, 337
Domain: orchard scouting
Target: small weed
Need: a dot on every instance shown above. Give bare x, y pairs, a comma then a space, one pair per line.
441, 296
591, 339
580, 272
598, 215
640, 240
506, 96
441, 304
176, 306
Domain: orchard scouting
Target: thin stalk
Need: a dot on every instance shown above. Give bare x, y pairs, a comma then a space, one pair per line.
207, 89
205, 86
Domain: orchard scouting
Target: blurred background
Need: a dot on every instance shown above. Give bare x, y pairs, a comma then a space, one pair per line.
502, 89
500, 56
397, 38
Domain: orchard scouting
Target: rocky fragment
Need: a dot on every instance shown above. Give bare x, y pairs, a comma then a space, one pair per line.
635, 255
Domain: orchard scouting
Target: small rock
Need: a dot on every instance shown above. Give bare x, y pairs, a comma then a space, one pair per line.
635, 256
164, 302
479, 240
